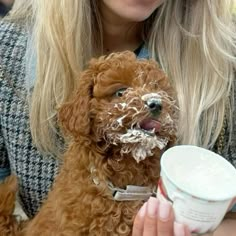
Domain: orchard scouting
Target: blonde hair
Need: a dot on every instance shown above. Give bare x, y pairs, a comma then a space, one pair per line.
193, 39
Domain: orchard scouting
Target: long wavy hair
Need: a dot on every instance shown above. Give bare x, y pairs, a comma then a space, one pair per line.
194, 41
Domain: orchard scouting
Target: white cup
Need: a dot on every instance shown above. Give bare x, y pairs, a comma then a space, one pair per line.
201, 185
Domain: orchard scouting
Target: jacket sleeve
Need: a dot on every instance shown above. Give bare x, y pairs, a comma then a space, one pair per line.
13, 42
4, 163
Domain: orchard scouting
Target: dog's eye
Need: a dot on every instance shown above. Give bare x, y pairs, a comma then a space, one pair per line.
119, 93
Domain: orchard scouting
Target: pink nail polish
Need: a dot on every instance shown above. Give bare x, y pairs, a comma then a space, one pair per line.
164, 210
142, 210
152, 206
179, 229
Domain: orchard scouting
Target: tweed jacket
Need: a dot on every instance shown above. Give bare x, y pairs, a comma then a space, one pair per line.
17, 151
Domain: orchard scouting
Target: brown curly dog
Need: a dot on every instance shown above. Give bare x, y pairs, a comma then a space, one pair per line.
120, 120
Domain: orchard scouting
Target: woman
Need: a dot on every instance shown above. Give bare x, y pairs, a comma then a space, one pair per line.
44, 46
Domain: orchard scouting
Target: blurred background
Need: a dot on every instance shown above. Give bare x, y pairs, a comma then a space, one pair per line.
5, 6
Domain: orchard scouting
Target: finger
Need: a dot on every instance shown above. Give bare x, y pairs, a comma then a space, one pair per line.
150, 223
187, 231
181, 230
233, 202
139, 221
165, 219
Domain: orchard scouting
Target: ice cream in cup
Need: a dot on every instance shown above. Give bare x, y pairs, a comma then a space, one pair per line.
201, 185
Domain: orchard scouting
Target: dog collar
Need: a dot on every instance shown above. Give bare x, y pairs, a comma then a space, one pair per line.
130, 193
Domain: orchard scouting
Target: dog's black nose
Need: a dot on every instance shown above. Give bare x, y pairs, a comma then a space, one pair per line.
154, 105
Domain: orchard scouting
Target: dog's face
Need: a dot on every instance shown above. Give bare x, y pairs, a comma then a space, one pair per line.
128, 103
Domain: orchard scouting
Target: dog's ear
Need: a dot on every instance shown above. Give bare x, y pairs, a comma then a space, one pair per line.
74, 115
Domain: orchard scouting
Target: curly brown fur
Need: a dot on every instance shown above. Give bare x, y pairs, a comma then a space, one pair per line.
98, 119
8, 223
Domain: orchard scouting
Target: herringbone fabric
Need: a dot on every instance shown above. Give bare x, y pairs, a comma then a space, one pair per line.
17, 152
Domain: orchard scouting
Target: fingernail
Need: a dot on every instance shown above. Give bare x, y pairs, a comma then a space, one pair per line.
142, 210
164, 210
152, 206
179, 229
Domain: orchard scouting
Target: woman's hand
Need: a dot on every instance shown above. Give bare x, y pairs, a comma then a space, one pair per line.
226, 228
156, 218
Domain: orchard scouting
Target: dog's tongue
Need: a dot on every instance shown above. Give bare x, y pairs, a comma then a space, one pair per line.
149, 124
